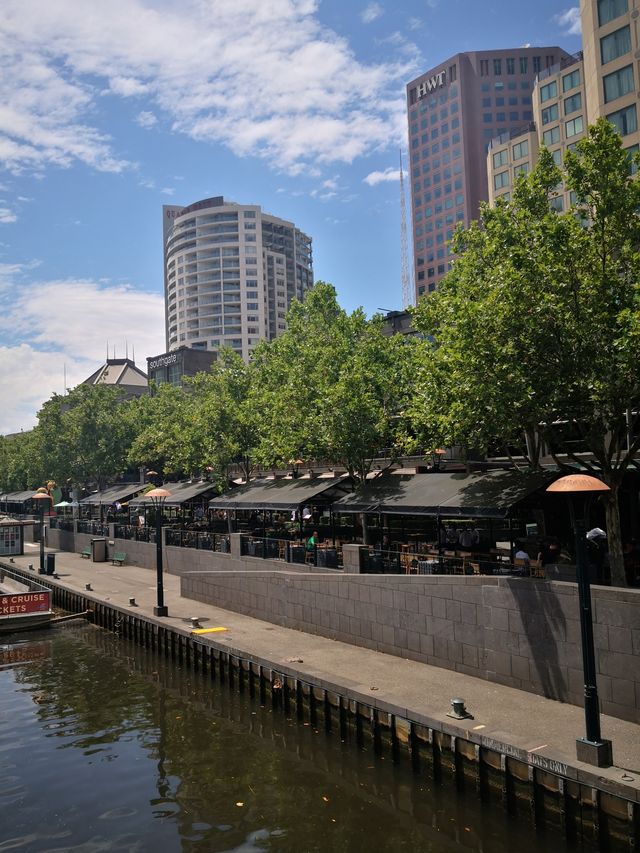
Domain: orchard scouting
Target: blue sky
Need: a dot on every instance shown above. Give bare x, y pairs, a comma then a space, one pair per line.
110, 110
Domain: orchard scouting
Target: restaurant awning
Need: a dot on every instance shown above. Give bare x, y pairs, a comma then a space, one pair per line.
449, 495
17, 497
114, 494
180, 493
282, 495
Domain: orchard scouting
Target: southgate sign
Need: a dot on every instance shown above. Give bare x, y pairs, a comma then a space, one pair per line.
436, 82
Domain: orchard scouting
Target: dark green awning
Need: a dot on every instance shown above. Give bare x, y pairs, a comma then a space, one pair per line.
114, 494
282, 495
180, 493
486, 495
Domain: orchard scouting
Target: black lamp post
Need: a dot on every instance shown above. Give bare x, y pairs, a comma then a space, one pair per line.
591, 749
158, 497
41, 496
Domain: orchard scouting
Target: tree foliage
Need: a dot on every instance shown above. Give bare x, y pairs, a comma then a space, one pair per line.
331, 387
533, 337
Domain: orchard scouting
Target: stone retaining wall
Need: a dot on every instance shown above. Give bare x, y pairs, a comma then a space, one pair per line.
519, 632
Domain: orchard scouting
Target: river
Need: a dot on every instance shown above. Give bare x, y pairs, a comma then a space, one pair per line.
105, 746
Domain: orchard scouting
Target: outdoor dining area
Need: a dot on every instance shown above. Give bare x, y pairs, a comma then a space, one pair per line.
435, 523
495, 522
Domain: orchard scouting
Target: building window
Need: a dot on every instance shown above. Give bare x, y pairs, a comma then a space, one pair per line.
615, 44
500, 180
536, 64
618, 84
610, 9
557, 204
522, 169
520, 150
550, 114
550, 137
497, 67
524, 64
511, 65
487, 118
569, 81
549, 91
575, 126
500, 158
557, 157
574, 103
484, 67
453, 73
630, 152
624, 121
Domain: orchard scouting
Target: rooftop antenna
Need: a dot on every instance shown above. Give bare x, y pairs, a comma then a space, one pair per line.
64, 372
404, 246
126, 349
133, 353
107, 350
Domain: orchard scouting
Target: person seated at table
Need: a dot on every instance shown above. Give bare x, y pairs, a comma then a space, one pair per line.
313, 541
521, 554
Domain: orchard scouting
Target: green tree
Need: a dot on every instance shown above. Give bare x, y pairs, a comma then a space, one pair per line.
225, 422
332, 388
86, 435
534, 334
163, 439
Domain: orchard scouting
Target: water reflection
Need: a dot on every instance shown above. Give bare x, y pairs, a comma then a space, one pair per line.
105, 746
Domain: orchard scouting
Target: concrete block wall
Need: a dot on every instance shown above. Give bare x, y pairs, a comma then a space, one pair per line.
176, 560
519, 632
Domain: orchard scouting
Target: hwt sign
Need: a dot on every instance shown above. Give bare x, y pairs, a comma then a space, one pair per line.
24, 602
431, 84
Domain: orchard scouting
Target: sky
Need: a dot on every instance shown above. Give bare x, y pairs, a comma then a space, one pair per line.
110, 110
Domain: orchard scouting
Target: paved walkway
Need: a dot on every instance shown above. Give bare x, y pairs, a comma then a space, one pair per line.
512, 717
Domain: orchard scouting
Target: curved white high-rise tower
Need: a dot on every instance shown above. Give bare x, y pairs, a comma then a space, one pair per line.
230, 274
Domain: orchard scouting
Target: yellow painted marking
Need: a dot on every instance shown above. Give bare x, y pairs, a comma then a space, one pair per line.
209, 630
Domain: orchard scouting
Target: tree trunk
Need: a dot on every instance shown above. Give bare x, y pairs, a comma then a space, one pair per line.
614, 538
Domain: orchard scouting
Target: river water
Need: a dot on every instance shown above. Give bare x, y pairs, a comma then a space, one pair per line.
105, 746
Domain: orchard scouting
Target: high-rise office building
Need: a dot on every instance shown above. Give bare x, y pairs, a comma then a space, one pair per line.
231, 272
599, 82
455, 110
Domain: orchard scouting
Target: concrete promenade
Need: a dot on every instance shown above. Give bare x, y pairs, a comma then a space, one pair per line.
502, 716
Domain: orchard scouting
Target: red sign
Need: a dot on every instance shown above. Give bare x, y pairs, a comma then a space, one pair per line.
24, 602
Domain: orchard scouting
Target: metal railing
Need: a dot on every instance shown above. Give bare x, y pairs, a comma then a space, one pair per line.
94, 528
135, 533
291, 552
201, 540
400, 563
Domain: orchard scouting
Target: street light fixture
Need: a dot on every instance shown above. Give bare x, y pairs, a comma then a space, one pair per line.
591, 749
157, 498
41, 496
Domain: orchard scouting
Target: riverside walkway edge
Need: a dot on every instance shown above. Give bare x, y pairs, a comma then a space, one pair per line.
536, 735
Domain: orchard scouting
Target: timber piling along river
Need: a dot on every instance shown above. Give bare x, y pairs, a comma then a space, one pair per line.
518, 750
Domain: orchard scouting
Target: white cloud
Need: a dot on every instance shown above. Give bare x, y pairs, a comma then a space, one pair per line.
168, 190
389, 174
127, 86
146, 119
371, 12
52, 325
7, 215
317, 103
570, 21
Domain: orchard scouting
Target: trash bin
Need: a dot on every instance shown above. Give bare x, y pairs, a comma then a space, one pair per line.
99, 550
50, 564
